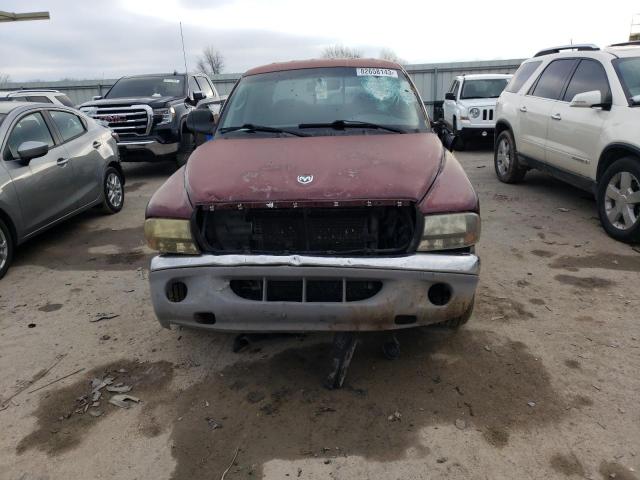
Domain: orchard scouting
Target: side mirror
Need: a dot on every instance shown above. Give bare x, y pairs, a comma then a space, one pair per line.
197, 96
201, 121
27, 151
97, 97
587, 100
449, 96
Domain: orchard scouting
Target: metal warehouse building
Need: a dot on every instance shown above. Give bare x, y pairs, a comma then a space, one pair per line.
432, 80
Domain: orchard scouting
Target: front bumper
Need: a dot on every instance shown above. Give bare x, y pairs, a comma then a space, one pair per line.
470, 131
146, 148
403, 301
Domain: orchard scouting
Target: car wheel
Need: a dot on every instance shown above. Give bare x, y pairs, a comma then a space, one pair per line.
505, 159
6, 248
187, 146
113, 191
457, 322
619, 200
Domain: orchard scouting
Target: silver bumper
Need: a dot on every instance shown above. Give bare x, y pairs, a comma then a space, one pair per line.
403, 301
153, 146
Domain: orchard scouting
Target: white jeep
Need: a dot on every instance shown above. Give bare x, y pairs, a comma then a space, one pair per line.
469, 106
573, 112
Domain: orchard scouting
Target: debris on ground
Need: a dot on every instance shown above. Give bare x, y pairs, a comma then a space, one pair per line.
104, 316
442, 459
562, 209
531, 404
119, 388
213, 424
487, 348
460, 424
395, 417
123, 400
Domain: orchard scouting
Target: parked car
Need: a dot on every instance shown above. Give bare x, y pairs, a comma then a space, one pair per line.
324, 202
148, 113
56, 162
37, 95
572, 111
468, 110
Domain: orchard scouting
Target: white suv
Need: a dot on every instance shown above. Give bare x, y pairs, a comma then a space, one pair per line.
574, 112
469, 105
40, 95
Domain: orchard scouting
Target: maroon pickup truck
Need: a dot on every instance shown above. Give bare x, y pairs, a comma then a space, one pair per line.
324, 202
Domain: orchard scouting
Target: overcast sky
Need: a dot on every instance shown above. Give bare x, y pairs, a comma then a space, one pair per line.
107, 39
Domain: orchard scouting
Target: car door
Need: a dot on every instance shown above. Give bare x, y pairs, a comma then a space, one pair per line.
574, 132
535, 107
449, 106
82, 149
44, 185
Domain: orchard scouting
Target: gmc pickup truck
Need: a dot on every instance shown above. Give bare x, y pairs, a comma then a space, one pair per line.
148, 113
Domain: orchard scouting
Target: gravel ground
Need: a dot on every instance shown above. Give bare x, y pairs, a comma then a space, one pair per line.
542, 383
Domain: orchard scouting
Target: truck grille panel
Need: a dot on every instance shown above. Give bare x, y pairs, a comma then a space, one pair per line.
319, 231
126, 120
305, 290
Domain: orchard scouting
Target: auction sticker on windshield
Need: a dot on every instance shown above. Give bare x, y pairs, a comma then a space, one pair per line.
376, 72
171, 80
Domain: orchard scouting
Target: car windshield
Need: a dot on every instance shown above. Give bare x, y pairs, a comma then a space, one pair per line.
324, 101
155, 86
485, 88
629, 73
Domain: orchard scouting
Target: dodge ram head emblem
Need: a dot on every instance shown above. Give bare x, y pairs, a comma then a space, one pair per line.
304, 179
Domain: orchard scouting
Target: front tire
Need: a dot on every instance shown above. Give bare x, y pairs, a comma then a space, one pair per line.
113, 191
186, 148
618, 198
505, 159
6, 248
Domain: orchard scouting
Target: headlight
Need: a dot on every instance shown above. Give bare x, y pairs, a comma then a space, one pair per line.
450, 231
474, 112
164, 115
89, 111
170, 236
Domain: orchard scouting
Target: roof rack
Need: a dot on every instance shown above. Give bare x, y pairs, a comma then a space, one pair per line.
626, 44
29, 90
581, 47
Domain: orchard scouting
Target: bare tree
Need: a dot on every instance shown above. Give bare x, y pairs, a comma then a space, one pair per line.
340, 51
388, 54
4, 79
211, 62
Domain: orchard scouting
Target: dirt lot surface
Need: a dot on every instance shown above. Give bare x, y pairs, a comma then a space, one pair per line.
542, 383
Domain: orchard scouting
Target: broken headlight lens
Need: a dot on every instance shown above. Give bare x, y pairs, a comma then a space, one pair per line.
449, 231
170, 236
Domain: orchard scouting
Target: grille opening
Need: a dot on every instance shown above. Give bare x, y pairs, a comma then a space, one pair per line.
362, 290
363, 230
284, 291
324, 290
249, 289
176, 291
439, 294
204, 318
405, 319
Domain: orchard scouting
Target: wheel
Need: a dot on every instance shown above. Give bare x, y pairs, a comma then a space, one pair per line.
187, 146
391, 348
455, 323
505, 159
458, 143
113, 191
6, 248
618, 198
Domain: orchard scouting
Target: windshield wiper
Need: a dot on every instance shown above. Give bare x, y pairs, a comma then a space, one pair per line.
343, 124
250, 127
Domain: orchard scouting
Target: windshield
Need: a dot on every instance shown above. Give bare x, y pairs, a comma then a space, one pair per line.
629, 73
315, 98
487, 88
156, 86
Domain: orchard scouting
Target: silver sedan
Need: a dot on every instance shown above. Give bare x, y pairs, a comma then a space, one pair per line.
56, 162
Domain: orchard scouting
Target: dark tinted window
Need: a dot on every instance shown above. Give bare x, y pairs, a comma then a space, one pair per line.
588, 76
19, 99
153, 86
483, 88
628, 70
63, 99
522, 75
553, 79
205, 87
39, 99
30, 128
69, 125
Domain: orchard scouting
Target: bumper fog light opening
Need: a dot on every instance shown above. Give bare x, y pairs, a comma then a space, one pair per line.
439, 294
176, 291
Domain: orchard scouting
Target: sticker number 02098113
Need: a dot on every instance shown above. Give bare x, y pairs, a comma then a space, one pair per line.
376, 72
